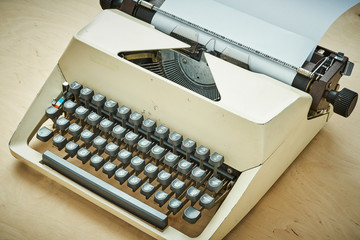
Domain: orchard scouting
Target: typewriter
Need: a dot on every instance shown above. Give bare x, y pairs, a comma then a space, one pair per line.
175, 137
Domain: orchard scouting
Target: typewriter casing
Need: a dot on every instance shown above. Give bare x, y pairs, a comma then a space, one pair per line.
260, 124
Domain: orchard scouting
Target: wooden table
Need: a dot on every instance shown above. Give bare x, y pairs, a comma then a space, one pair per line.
318, 197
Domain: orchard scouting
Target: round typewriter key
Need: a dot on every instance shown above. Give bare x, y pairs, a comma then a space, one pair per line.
52, 112
144, 145
124, 156
111, 106
137, 164
75, 88
162, 132
175, 139
109, 169
214, 184
96, 161
134, 182
118, 132
193, 194
106, 125
121, 175
184, 166
207, 201
62, 123
191, 215
83, 155
75, 129
164, 178
87, 136
157, 152
71, 148
175, 205
161, 197
99, 143
112, 149
86, 94
177, 186
98, 100
69, 106
202, 153
123, 112
151, 171
149, 126
197, 174
147, 190
81, 112
44, 134
59, 141
93, 119
171, 159
216, 160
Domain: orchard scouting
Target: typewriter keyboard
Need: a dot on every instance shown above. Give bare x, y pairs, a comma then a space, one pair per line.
154, 173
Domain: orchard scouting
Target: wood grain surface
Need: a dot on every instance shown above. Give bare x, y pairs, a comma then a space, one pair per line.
318, 197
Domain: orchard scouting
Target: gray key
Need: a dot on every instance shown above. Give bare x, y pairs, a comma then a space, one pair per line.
136, 118
175, 205
151, 171
99, 143
207, 201
75, 88
124, 156
175, 140
118, 132
62, 123
83, 155
162, 132
121, 175
191, 215
52, 112
81, 112
161, 197
106, 125
86, 94
144, 145
197, 174
112, 149
96, 161
69, 106
44, 134
98, 100
87, 136
184, 166
137, 163
148, 125
177, 186
193, 194
123, 112
71, 148
188, 145
93, 119
157, 152
111, 106
171, 159
202, 153
59, 141
134, 182
214, 184
147, 190
216, 160
131, 138
75, 129
109, 169
164, 178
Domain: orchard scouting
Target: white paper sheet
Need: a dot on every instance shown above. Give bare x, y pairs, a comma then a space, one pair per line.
285, 29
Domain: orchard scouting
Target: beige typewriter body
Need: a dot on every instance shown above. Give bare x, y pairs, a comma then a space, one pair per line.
260, 124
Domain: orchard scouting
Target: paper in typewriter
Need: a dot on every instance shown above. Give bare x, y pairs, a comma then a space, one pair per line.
284, 29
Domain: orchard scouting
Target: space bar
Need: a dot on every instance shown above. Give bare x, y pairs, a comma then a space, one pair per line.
106, 190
